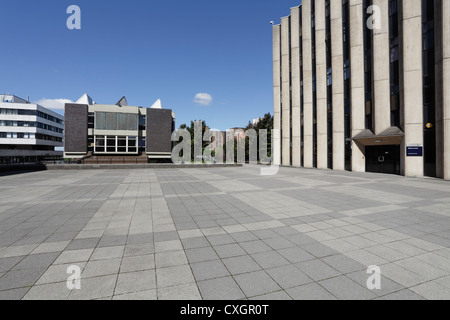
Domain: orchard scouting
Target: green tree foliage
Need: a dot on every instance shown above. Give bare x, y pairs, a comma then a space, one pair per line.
265, 123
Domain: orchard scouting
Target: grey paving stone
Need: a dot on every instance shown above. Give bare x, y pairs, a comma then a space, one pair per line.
139, 296
83, 244
256, 246
279, 295
48, 247
13, 294
101, 268
269, 259
188, 291
106, 253
137, 263
243, 264
170, 259
343, 264
165, 246
295, 255
73, 256
166, 236
402, 295
216, 240
43, 260
387, 285
209, 270
244, 236
319, 250
139, 249
288, 276
311, 291
220, 289
346, 289
317, 270
7, 264
62, 236
94, 288
173, 276
229, 251
58, 273
279, 243
135, 282
20, 278
256, 283
194, 243
201, 254
53, 291
265, 234
112, 241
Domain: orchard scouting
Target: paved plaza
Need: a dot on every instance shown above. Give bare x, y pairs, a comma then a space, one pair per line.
223, 233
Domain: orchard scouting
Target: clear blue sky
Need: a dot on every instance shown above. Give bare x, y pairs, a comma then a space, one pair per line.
145, 50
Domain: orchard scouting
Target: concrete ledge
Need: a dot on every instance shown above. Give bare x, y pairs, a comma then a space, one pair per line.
135, 166
22, 167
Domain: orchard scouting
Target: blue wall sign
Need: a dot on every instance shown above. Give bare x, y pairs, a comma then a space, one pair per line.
414, 151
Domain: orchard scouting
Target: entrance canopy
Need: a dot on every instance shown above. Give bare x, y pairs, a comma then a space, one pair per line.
391, 136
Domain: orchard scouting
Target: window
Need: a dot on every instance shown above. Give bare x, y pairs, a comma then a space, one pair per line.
115, 144
142, 122
368, 77
394, 32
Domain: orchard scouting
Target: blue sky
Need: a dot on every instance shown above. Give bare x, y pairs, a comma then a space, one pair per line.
145, 50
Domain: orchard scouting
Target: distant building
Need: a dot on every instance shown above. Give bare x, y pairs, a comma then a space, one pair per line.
28, 132
97, 131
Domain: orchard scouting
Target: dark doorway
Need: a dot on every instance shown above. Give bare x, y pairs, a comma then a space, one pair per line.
383, 159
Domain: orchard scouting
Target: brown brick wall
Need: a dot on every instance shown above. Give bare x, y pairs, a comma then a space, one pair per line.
159, 130
75, 128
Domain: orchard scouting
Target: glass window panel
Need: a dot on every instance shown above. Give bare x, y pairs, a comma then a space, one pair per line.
100, 120
121, 121
111, 121
132, 122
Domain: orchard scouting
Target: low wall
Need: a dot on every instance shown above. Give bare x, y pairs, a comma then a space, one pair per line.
136, 166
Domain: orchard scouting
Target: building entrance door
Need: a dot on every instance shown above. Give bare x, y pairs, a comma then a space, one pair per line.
383, 159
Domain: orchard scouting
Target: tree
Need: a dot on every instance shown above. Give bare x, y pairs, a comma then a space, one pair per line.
265, 123
191, 131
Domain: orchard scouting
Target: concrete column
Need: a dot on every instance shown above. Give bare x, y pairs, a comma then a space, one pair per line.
446, 85
381, 67
285, 93
276, 95
357, 83
295, 81
307, 85
321, 83
412, 83
337, 56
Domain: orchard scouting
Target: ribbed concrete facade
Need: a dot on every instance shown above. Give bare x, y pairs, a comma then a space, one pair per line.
364, 85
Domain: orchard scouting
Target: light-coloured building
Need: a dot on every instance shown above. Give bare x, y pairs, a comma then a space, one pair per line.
364, 85
28, 132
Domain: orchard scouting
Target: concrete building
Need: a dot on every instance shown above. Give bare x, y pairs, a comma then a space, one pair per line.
364, 85
96, 131
28, 132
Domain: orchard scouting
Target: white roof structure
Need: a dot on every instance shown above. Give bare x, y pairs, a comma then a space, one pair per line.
85, 99
157, 105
